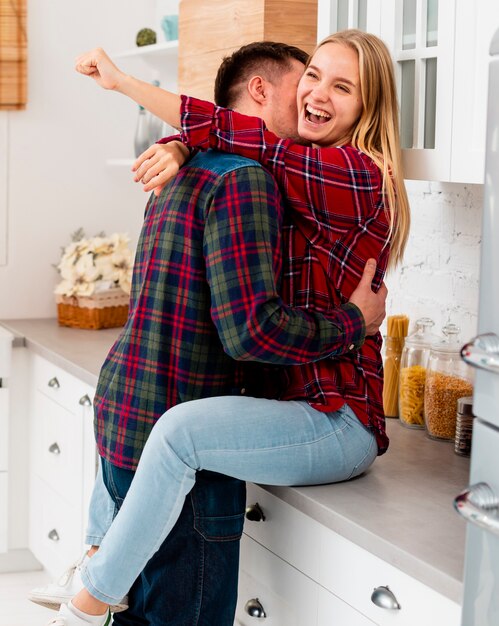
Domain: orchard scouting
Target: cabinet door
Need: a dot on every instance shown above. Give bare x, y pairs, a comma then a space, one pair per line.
420, 35
335, 15
476, 23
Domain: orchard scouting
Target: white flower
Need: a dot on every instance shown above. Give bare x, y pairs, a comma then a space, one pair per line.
96, 264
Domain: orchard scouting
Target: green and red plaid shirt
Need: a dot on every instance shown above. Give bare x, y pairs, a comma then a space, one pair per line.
205, 292
338, 221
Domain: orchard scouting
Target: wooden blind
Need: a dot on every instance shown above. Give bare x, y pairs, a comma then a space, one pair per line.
13, 54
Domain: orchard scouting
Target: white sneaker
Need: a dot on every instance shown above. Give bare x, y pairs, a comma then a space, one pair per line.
66, 617
54, 594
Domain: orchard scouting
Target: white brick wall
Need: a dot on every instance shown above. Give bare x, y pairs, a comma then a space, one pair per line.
439, 275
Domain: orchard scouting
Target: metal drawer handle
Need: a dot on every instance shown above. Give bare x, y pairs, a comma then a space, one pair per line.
482, 352
479, 505
384, 598
54, 449
54, 383
254, 513
85, 400
53, 535
254, 608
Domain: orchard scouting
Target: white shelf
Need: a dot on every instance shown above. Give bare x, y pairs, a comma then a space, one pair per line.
166, 48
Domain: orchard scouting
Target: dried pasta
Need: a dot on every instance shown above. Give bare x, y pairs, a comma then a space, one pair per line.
411, 395
397, 327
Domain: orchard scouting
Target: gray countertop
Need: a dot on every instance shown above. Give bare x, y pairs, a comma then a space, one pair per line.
401, 510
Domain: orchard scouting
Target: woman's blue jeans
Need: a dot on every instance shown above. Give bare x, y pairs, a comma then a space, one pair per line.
258, 440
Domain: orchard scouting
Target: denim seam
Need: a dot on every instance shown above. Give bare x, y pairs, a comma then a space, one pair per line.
282, 447
201, 573
368, 450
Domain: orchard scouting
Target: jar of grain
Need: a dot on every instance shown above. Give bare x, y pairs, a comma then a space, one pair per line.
448, 378
413, 363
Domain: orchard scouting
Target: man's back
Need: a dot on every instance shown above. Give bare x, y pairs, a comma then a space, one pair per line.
202, 240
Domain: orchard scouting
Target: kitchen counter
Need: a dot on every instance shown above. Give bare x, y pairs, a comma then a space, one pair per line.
400, 510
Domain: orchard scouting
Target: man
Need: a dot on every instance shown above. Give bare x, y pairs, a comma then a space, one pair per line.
209, 251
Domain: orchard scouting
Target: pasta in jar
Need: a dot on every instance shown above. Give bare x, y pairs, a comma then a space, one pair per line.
413, 373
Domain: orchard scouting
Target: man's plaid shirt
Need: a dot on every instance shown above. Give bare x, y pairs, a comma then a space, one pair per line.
338, 221
205, 292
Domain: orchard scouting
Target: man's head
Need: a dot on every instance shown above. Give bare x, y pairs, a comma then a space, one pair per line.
261, 79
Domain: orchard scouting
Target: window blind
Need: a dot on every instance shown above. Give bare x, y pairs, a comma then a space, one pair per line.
13, 54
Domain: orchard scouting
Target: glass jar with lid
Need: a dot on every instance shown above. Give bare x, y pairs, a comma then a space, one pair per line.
448, 378
413, 363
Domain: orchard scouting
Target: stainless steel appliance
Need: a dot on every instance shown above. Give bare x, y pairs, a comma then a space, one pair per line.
479, 503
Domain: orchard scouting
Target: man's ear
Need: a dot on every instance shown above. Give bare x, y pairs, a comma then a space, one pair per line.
257, 89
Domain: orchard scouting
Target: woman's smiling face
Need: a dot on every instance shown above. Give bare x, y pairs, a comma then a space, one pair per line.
329, 97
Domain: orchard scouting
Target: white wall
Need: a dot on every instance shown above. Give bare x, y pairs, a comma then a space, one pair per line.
439, 275
57, 178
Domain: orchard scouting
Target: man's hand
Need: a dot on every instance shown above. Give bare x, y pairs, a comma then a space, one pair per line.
158, 164
372, 305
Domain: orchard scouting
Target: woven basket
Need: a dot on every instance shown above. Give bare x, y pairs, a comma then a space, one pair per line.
107, 309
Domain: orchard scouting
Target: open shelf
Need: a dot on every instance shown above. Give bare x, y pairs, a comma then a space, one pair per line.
160, 50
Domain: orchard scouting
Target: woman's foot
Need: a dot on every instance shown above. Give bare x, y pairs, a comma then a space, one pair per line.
54, 594
69, 615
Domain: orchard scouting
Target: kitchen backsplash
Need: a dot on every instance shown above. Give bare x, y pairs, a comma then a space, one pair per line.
439, 275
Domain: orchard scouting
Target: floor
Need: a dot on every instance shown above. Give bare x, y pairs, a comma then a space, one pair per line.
15, 609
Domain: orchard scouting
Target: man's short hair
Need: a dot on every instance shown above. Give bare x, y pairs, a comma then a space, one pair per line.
264, 58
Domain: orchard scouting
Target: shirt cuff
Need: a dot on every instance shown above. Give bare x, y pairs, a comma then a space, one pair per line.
354, 326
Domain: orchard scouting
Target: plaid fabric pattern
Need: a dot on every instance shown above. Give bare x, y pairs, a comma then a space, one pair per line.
204, 293
338, 221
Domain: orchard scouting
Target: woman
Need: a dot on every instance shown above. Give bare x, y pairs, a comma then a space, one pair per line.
349, 204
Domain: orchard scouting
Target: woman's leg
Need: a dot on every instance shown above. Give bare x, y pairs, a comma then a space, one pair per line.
257, 440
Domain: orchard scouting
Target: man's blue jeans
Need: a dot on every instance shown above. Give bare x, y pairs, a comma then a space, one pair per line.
192, 579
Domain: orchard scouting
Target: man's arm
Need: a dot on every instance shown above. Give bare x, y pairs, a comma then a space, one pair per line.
243, 260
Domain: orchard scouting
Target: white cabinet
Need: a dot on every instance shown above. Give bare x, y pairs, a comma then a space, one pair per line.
5, 372
440, 49
4, 120
330, 578
63, 463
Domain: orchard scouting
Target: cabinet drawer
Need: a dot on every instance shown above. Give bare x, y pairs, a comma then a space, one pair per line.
58, 448
4, 427
56, 533
3, 512
287, 596
352, 573
60, 386
347, 571
331, 610
286, 531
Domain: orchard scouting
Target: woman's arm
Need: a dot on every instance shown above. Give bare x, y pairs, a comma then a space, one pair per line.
97, 65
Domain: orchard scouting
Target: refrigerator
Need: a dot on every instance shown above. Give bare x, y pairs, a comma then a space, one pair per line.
479, 502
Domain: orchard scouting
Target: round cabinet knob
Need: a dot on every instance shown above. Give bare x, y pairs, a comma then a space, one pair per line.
384, 598
54, 449
254, 608
53, 535
54, 383
254, 513
85, 400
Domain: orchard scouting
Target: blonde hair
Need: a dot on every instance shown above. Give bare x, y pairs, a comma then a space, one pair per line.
377, 130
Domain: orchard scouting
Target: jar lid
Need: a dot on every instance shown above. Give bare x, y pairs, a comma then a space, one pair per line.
451, 343
465, 406
422, 337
